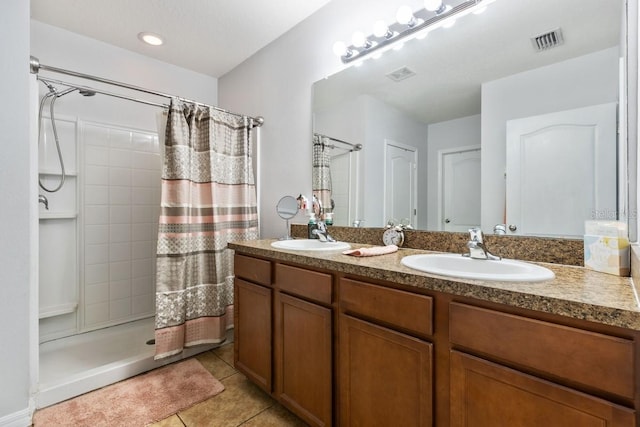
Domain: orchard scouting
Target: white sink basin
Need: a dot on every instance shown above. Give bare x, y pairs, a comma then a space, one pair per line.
310, 245
455, 265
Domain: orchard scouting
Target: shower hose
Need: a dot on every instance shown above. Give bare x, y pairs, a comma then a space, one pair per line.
54, 95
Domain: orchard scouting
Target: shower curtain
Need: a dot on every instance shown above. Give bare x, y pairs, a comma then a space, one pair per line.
208, 198
321, 171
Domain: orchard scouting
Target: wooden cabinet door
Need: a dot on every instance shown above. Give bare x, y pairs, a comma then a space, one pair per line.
385, 377
491, 395
252, 341
304, 359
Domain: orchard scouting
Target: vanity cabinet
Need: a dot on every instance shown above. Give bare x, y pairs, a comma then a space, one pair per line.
386, 364
508, 369
284, 334
336, 348
252, 320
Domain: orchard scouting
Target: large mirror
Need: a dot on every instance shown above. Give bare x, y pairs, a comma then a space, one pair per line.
475, 125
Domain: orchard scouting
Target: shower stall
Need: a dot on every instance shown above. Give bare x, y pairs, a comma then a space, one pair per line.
98, 235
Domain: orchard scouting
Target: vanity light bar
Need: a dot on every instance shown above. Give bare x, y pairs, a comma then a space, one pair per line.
422, 20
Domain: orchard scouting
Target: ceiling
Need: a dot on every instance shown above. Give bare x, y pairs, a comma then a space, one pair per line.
208, 36
451, 64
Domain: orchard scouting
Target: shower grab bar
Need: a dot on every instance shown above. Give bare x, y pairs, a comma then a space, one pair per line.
35, 66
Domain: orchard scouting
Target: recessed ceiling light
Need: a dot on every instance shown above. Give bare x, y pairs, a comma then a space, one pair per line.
151, 38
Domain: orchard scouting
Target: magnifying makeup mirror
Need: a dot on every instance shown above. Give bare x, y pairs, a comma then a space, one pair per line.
287, 208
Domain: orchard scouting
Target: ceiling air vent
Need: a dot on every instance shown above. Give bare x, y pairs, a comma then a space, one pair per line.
547, 40
401, 74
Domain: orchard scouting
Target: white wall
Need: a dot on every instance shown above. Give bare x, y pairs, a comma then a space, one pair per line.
63, 49
344, 121
587, 80
444, 135
18, 215
276, 83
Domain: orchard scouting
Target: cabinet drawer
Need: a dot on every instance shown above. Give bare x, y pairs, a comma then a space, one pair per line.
411, 312
305, 283
588, 358
253, 269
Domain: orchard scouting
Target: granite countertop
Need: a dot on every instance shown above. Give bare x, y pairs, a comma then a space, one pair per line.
576, 292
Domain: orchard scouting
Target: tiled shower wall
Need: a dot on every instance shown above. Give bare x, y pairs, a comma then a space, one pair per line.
120, 199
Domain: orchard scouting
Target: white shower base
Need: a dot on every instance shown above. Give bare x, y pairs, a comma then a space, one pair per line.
75, 365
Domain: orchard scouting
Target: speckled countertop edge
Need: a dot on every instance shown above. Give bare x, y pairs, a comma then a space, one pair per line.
576, 292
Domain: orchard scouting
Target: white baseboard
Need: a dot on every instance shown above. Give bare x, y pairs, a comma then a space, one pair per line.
17, 419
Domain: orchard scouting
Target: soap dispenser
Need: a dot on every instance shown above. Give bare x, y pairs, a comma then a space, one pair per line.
313, 225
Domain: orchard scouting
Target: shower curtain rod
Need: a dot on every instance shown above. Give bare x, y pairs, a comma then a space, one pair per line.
356, 147
35, 66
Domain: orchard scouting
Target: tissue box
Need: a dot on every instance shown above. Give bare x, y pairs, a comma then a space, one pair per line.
606, 247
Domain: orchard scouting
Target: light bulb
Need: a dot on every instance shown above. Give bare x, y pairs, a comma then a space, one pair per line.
150, 38
380, 29
358, 39
432, 5
404, 15
339, 48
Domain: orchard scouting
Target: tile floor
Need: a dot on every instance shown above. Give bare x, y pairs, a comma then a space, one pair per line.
240, 404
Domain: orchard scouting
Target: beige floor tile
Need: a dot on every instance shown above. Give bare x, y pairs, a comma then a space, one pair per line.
218, 367
172, 421
276, 416
225, 353
240, 401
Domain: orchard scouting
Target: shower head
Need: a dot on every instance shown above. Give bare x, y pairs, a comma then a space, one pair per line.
86, 92
64, 92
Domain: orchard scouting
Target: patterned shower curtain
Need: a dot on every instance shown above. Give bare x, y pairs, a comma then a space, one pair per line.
321, 170
208, 199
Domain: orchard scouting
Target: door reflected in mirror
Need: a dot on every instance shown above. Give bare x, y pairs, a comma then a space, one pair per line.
471, 81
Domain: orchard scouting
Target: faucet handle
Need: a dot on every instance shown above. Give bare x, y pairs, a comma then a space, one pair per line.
475, 235
500, 229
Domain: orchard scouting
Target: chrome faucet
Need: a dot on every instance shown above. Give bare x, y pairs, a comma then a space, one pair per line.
42, 199
477, 247
322, 232
500, 229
